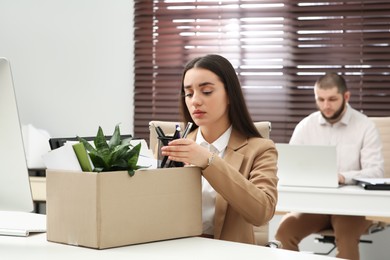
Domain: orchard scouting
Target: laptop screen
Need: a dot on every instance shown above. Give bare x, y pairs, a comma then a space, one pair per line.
307, 165
15, 191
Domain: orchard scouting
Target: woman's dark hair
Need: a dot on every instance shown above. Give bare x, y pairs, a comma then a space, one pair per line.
238, 112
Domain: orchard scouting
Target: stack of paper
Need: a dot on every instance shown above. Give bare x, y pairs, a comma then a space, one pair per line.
374, 183
15, 223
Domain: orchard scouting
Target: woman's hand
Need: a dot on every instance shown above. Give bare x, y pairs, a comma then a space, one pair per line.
187, 151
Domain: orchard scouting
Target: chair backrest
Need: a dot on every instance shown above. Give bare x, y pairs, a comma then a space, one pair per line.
264, 127
261, 233
383, 125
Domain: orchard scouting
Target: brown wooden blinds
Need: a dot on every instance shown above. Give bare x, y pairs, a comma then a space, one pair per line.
278, 47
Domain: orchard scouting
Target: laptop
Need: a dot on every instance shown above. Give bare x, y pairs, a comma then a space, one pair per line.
15, 191
307, 165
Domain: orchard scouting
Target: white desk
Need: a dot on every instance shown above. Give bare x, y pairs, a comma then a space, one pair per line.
35, 247
346, 200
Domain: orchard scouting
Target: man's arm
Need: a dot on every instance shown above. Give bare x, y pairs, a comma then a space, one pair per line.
371, 158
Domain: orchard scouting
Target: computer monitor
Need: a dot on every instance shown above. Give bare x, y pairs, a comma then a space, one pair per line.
15, 190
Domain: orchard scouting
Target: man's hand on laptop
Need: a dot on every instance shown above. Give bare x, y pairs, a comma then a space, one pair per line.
341, 179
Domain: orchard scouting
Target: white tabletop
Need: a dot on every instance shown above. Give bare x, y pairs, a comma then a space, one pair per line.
36, 247
346, 200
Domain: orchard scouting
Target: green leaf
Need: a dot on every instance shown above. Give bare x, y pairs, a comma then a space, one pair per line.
122, 164
98, 161
119, 153
115, 138
100, 140
133, 155
131, 172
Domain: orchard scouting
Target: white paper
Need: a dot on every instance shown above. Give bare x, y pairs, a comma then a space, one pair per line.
14, 223
373, 181
62, 158
36, 144
146, 158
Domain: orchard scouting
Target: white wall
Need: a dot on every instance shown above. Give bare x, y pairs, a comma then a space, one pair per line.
72, 63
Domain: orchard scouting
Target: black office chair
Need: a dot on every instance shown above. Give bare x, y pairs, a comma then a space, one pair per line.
327, 236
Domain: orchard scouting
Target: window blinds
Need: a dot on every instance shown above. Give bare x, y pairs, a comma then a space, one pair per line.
278, 48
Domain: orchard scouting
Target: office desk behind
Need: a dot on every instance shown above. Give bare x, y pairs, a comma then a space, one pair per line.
35, 247
346, 200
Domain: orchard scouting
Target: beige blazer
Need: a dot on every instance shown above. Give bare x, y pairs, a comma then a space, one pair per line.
246, 184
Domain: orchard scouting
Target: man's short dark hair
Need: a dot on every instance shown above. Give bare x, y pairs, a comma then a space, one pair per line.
331, 80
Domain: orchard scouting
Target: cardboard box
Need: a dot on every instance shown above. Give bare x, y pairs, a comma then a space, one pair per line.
111, 209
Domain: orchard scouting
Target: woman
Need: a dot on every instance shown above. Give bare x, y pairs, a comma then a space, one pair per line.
238, 165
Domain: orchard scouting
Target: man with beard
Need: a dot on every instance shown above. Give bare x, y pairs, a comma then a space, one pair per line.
359, 154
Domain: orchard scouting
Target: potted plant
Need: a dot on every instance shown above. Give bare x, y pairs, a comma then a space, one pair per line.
115, 155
